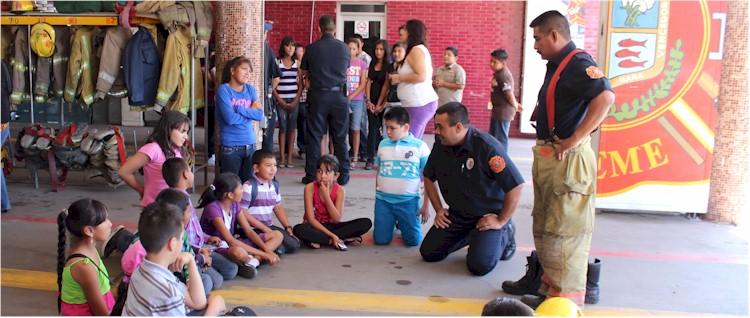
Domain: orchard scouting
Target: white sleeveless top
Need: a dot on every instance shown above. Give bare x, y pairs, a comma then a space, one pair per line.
417, 94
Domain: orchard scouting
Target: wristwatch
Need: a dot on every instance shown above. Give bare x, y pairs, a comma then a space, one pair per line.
287, 227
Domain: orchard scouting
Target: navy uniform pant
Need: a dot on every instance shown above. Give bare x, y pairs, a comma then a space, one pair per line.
327, 109
485, 247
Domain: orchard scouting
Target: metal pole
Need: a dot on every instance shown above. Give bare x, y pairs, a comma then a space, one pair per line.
205, 115
192, 103
31, 80
312, 21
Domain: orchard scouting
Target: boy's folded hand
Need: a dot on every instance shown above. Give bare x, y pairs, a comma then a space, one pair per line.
185, 258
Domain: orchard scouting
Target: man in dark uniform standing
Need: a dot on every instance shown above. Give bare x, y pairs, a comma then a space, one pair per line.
325, 63
271, 79
482, 188
573, 101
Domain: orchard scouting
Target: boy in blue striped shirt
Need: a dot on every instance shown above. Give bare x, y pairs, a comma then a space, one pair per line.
401, 160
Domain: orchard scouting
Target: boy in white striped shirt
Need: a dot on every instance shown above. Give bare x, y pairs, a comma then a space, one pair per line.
401, 160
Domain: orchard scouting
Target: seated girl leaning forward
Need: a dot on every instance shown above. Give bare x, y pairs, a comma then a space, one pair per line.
324, 206
222, 213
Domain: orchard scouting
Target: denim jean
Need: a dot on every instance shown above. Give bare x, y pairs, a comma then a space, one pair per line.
238, 160
405, 213
287, 119
500, 129
5, 199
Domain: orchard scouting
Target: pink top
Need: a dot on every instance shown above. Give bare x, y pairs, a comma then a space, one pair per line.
321, 212
153, 182
354, 73
132, 258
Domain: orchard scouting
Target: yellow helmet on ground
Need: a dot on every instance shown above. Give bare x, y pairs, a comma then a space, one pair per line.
558, 307
22, 6
43, 39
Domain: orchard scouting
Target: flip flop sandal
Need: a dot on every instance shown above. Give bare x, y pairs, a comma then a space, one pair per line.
354, 241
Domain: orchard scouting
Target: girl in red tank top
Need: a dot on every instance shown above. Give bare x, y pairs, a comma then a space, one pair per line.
324, 205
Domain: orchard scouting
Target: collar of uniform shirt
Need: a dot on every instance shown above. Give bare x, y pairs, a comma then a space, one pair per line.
327, 35
449, 66
558, 59
466, 146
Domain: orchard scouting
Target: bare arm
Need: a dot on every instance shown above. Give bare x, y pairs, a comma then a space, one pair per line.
255, 223
242, 218
127, 171
310, 213
418, 63
88, 277
195, 296
441, 215
219, 224
278, 210
453, 86
597, 112
511, 99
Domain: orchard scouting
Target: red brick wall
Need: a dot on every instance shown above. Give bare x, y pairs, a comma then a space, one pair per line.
493, 25
292, 18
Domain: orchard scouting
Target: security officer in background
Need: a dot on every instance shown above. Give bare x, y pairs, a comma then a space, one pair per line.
272, 77
482, 188
325, 63
564, 162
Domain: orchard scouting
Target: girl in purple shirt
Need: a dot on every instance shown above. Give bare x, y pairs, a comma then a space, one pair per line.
221, 214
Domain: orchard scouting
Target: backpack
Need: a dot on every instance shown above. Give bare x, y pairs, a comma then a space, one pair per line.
253, 194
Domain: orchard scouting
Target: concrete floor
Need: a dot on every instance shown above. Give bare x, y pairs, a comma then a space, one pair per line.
653, 264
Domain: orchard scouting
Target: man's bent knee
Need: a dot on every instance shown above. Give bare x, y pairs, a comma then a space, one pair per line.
480, 268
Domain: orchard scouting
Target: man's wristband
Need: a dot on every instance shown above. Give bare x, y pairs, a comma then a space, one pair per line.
287, 227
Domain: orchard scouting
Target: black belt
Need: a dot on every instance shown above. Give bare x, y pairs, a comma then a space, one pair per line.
330, 89
239, 147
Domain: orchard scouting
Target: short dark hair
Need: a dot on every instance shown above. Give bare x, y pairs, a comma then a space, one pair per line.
552, 20
172, 169
159, 222
500, 55
329, 161
352, 40
452, 49
261, 154
359, 37
398, 114
457, 113
327, 24
505, 306
174, 196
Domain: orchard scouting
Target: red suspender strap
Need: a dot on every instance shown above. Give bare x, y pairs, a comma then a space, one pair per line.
120, 145
550, 99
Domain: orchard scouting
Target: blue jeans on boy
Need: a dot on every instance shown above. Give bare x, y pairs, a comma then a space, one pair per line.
386, 216
5, 199
500, 129
221, 269
238, 160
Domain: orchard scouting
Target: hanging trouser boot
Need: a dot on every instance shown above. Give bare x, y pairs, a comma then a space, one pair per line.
592, 282
529, 283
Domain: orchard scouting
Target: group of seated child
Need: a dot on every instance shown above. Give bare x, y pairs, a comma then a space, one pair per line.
234, 234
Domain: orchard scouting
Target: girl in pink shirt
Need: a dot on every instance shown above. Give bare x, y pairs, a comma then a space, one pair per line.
169, 137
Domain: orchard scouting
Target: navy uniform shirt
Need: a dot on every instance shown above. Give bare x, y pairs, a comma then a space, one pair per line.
326, 60
580, 82
272, 68
474, 176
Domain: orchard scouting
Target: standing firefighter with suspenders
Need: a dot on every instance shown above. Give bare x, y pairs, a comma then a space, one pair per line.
573, 101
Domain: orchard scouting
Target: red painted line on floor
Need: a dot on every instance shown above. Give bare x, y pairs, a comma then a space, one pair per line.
34, 219
399, 242
351, 175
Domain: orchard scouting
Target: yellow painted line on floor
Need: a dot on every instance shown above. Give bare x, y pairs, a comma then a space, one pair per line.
342, 301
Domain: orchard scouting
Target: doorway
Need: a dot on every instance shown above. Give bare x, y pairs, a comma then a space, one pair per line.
366, 19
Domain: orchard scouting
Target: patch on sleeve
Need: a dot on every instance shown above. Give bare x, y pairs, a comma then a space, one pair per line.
594, 72
497, 164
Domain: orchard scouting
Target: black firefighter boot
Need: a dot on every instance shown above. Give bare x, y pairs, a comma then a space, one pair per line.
592, 282
529, 283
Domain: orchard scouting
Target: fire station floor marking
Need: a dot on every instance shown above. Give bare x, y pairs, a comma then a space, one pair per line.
343, 301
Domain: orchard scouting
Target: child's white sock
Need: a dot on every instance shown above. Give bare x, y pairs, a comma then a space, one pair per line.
252, 262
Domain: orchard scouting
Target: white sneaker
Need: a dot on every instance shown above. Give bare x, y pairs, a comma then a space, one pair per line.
211, 161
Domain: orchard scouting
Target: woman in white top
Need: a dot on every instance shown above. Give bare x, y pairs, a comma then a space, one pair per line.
415, 78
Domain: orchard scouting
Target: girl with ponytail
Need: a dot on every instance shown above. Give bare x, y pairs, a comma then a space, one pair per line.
221, 215
83, 283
